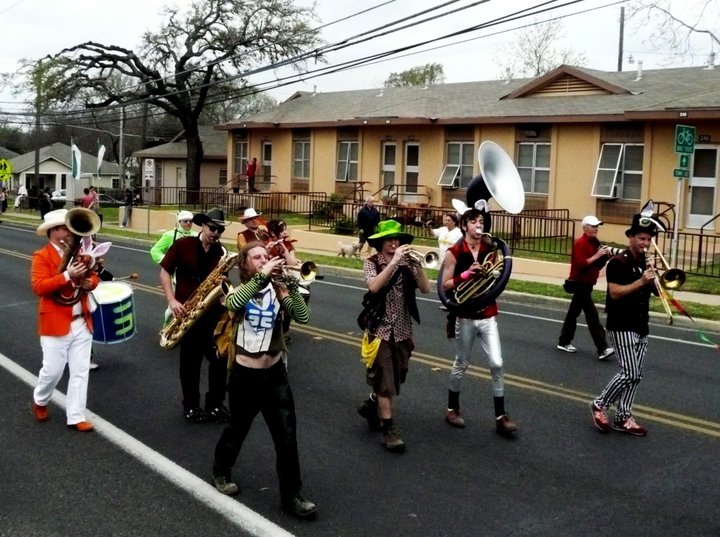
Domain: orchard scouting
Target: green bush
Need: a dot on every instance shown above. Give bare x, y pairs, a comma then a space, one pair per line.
343, 225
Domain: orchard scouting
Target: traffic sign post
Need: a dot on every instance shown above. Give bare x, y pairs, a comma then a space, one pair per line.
685, 146
5, 170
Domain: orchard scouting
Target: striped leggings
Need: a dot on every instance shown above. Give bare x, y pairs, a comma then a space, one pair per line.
630, 348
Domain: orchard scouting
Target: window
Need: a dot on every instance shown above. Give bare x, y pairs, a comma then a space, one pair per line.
222, 176
115, 183
534, 167
240, 157
347, 163
158, 173
619, 172
458, 169
301, 159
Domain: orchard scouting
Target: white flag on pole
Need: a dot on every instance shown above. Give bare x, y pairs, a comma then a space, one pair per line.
100, 156
76, 161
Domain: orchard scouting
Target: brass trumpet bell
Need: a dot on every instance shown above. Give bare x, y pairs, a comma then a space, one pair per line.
431, 260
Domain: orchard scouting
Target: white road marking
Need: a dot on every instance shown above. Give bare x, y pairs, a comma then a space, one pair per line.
243, 517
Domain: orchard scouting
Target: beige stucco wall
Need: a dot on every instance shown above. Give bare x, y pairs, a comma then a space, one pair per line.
575, 149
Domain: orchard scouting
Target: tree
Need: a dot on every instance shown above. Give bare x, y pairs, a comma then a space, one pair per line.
534, 51
422, 75
197, 58
224, 111
679, 27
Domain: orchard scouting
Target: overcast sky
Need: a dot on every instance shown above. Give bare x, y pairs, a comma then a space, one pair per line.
35, 28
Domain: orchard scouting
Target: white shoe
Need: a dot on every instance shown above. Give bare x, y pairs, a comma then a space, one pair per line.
94, 365
567, 348
607, 352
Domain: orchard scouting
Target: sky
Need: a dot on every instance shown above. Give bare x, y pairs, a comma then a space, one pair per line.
35, 28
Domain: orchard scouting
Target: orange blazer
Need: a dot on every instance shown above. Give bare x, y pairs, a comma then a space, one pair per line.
54, 319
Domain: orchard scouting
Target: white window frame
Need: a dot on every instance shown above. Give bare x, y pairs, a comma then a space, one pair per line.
452, 173
534, 167
301, 159
222, 177
350, 165
616, 189
240, 156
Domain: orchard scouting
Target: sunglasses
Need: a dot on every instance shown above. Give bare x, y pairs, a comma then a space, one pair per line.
215, 229
185, 221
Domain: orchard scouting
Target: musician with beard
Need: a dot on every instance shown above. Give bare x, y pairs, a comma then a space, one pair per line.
191, 260
258, 379
462, 261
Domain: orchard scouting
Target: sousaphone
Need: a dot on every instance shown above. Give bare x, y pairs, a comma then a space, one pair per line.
500, 180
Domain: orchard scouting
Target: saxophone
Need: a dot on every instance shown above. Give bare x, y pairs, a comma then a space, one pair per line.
199, 302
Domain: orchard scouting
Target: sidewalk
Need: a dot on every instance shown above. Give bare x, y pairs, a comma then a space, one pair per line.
523, 269
328, 244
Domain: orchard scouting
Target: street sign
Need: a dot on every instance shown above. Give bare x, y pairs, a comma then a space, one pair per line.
684, 139
684, 161
5, 170
681, 172
149, 174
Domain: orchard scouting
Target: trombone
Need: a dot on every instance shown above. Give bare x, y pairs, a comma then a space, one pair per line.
671, 279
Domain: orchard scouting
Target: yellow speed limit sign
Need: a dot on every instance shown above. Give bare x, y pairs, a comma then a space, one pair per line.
5, 169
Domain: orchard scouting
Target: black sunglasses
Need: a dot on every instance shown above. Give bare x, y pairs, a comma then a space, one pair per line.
213, 229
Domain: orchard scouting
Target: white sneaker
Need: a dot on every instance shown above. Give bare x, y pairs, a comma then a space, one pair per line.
607, 352
94, 365
567, 348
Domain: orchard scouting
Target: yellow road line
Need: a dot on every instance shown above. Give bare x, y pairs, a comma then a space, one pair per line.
672, 419
657, 415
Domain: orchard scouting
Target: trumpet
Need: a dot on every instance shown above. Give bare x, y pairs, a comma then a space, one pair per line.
430, 260
306, 273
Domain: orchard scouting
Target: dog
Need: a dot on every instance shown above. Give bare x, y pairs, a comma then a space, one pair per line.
349, 250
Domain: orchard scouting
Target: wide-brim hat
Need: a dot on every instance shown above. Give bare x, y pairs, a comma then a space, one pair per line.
52, 219
215, 216
643, 224
389, 229
249, 213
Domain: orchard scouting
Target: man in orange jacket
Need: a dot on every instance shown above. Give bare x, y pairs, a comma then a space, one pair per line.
65, 329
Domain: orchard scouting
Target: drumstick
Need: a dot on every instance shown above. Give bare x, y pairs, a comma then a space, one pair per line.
133, 276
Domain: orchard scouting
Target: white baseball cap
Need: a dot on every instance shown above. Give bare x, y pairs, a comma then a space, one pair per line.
591, 220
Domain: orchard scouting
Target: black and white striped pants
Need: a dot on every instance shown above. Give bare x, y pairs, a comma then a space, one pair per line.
630, 348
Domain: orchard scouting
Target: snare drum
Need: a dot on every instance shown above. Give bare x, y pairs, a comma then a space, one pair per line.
114, 316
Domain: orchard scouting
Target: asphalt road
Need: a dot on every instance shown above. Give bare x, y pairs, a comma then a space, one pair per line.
145, 471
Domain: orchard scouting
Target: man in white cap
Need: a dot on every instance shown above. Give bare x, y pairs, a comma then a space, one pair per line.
253, 230
182, 229
191, 260
64, 321
588, 257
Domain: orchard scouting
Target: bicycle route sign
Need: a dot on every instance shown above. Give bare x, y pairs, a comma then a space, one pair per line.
684, 139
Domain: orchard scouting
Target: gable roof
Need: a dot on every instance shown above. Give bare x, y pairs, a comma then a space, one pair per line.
6, 153
214, 146
61, 153
597, 96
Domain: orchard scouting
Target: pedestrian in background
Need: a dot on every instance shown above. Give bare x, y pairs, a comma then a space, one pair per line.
588, 257
367, 221
630, 282
128, 203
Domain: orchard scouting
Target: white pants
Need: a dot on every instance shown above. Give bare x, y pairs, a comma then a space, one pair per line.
466, 332
74, 350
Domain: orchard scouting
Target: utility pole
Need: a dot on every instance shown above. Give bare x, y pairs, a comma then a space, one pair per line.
621, 42
121, 153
